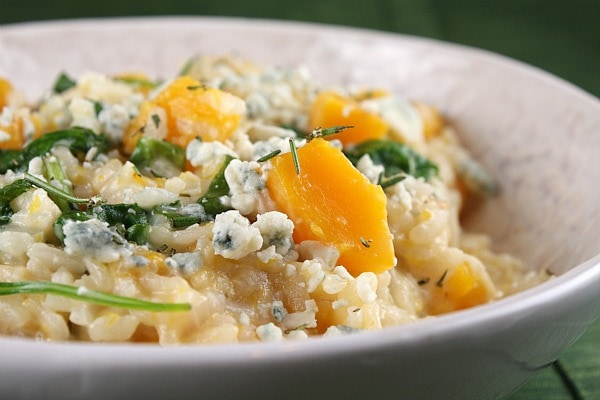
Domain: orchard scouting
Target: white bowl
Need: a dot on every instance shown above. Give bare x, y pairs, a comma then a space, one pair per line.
540, 136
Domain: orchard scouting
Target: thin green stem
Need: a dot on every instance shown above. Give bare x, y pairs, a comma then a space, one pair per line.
54, 190
391, 181
269, 156
91, 296
294, 152
332, 130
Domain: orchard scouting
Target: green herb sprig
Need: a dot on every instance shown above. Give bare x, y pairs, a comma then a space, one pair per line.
54, 191
321, 132
294, 152
91, 296
268, 156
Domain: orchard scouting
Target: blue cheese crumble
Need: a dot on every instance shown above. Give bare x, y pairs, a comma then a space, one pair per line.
234, 237
276, 229
186, 262
269, 333
200, 153
245, 184
93, 239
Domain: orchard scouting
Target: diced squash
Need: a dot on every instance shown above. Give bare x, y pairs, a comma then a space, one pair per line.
192, 110
331, 109
463, 289
5, 90
136, 128
11, 135
332, 202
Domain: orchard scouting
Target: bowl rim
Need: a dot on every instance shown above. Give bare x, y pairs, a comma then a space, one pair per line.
258, 23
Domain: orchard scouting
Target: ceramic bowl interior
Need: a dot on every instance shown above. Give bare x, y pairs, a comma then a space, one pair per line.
539, 135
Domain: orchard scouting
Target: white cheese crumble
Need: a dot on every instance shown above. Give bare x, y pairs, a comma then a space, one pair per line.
83, 112
93, 239
315, 250
233, 237
113, 120
200, 153
278, 310
276, 229
6, 116
245, 183
55, 113
270, 145
340, 330
186, 262
405, 122
269, 333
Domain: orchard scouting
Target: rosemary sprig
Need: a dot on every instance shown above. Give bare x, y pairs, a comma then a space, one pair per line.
91, 296
365, 242
390, 181
332, 130
196, 87
52, 190
440, 281
269, 156
294, 152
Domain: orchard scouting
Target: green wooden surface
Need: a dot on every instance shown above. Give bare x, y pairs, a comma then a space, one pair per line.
559, 36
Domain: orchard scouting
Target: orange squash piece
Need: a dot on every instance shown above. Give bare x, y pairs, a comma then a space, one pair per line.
5, 89
331, 109
332, 202
14, 129
15, 139
463, 289
192, 110
135, 129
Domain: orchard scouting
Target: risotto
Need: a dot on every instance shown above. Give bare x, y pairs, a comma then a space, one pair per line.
234, 203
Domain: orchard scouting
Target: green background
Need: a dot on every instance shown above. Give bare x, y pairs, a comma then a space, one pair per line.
559, 36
